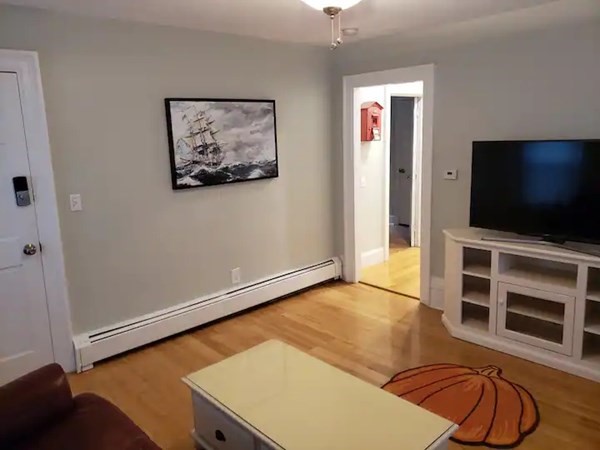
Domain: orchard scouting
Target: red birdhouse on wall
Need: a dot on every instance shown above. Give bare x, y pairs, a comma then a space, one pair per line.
371, 113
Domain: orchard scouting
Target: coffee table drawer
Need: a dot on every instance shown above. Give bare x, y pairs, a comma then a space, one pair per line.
219, 430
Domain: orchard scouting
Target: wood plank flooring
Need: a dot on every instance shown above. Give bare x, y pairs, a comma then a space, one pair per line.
399, 274
367, 332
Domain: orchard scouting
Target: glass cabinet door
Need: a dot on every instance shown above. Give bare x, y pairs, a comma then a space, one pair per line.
535, 317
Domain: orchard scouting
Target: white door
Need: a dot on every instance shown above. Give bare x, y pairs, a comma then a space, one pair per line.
417, 163
25, 342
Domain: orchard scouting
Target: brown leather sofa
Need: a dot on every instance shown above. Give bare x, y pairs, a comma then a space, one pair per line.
38, 411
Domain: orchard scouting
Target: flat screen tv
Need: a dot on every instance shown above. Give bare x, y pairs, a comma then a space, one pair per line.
540, 188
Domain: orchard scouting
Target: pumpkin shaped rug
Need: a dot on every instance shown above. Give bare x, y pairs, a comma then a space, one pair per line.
489, 409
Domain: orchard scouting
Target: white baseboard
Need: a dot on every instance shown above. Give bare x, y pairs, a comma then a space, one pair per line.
436, 293
99, 344
372, 257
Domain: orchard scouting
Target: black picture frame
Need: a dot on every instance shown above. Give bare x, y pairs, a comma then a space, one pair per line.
208, 166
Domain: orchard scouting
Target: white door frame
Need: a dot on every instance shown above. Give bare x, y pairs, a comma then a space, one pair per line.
415, 217
351, 158
415, 237
26, 66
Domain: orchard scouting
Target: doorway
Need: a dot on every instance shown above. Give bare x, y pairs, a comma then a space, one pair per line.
362, 205
399, 269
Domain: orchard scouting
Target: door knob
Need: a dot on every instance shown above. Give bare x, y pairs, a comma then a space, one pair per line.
30, 249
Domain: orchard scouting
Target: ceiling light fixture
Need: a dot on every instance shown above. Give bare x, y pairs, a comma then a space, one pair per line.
333, 8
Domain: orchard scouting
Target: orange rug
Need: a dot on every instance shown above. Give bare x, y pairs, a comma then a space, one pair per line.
489, 409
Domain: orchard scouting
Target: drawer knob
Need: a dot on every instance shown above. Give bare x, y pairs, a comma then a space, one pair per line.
219, 436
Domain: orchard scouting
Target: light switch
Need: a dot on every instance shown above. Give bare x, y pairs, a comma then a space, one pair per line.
75, 201
363, 181
450, 174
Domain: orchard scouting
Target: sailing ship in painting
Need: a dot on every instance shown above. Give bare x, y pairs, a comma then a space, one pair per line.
216, 142
199, 145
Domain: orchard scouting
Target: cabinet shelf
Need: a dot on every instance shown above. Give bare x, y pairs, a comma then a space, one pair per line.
475, 316
477, 270
591, 347
477, 298
594, 295
592, 318
534, 312
476, 323
545, 274
593, 328
477, 262
593, 287
476, 290
527, 327
551, 278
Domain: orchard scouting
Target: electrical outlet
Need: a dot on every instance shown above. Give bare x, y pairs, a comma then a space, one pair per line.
236, 276
75, 202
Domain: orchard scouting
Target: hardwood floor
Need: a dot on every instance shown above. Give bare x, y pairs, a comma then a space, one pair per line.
368, 332
400, 273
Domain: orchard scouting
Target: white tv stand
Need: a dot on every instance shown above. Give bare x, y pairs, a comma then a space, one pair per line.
538, 302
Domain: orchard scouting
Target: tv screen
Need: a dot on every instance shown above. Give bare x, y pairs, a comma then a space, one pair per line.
542, 188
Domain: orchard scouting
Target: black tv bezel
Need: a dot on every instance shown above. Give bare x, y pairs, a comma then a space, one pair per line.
545, 236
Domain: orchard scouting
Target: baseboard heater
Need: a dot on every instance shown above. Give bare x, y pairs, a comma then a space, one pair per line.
96, 345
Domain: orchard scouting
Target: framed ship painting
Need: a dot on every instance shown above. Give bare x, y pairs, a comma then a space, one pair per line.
217, 141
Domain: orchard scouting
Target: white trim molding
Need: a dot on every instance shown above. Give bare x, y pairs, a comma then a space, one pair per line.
25, 65
351, 162
120, 337
436, 293
372, 257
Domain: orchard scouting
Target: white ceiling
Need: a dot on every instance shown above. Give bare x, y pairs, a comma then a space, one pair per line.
293, 21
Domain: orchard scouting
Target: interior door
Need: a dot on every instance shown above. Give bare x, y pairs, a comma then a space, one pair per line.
417, 164
401, 159
25, 340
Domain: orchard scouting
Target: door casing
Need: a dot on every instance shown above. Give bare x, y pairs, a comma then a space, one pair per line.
351, 136
25, 65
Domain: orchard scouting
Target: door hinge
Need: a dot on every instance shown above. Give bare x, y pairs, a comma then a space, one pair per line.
40, 247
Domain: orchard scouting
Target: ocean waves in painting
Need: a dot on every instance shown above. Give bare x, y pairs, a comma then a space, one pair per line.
199, 175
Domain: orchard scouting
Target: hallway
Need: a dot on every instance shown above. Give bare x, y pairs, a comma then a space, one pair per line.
400, 274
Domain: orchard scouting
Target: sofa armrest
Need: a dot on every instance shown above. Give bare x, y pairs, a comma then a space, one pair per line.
32, 401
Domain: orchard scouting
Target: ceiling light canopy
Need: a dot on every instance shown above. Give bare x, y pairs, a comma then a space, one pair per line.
333, 8
323, 4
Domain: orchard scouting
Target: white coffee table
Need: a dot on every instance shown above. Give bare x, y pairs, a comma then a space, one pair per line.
274, 396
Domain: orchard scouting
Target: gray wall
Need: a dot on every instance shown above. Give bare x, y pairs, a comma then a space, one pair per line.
544, 84
138, 246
